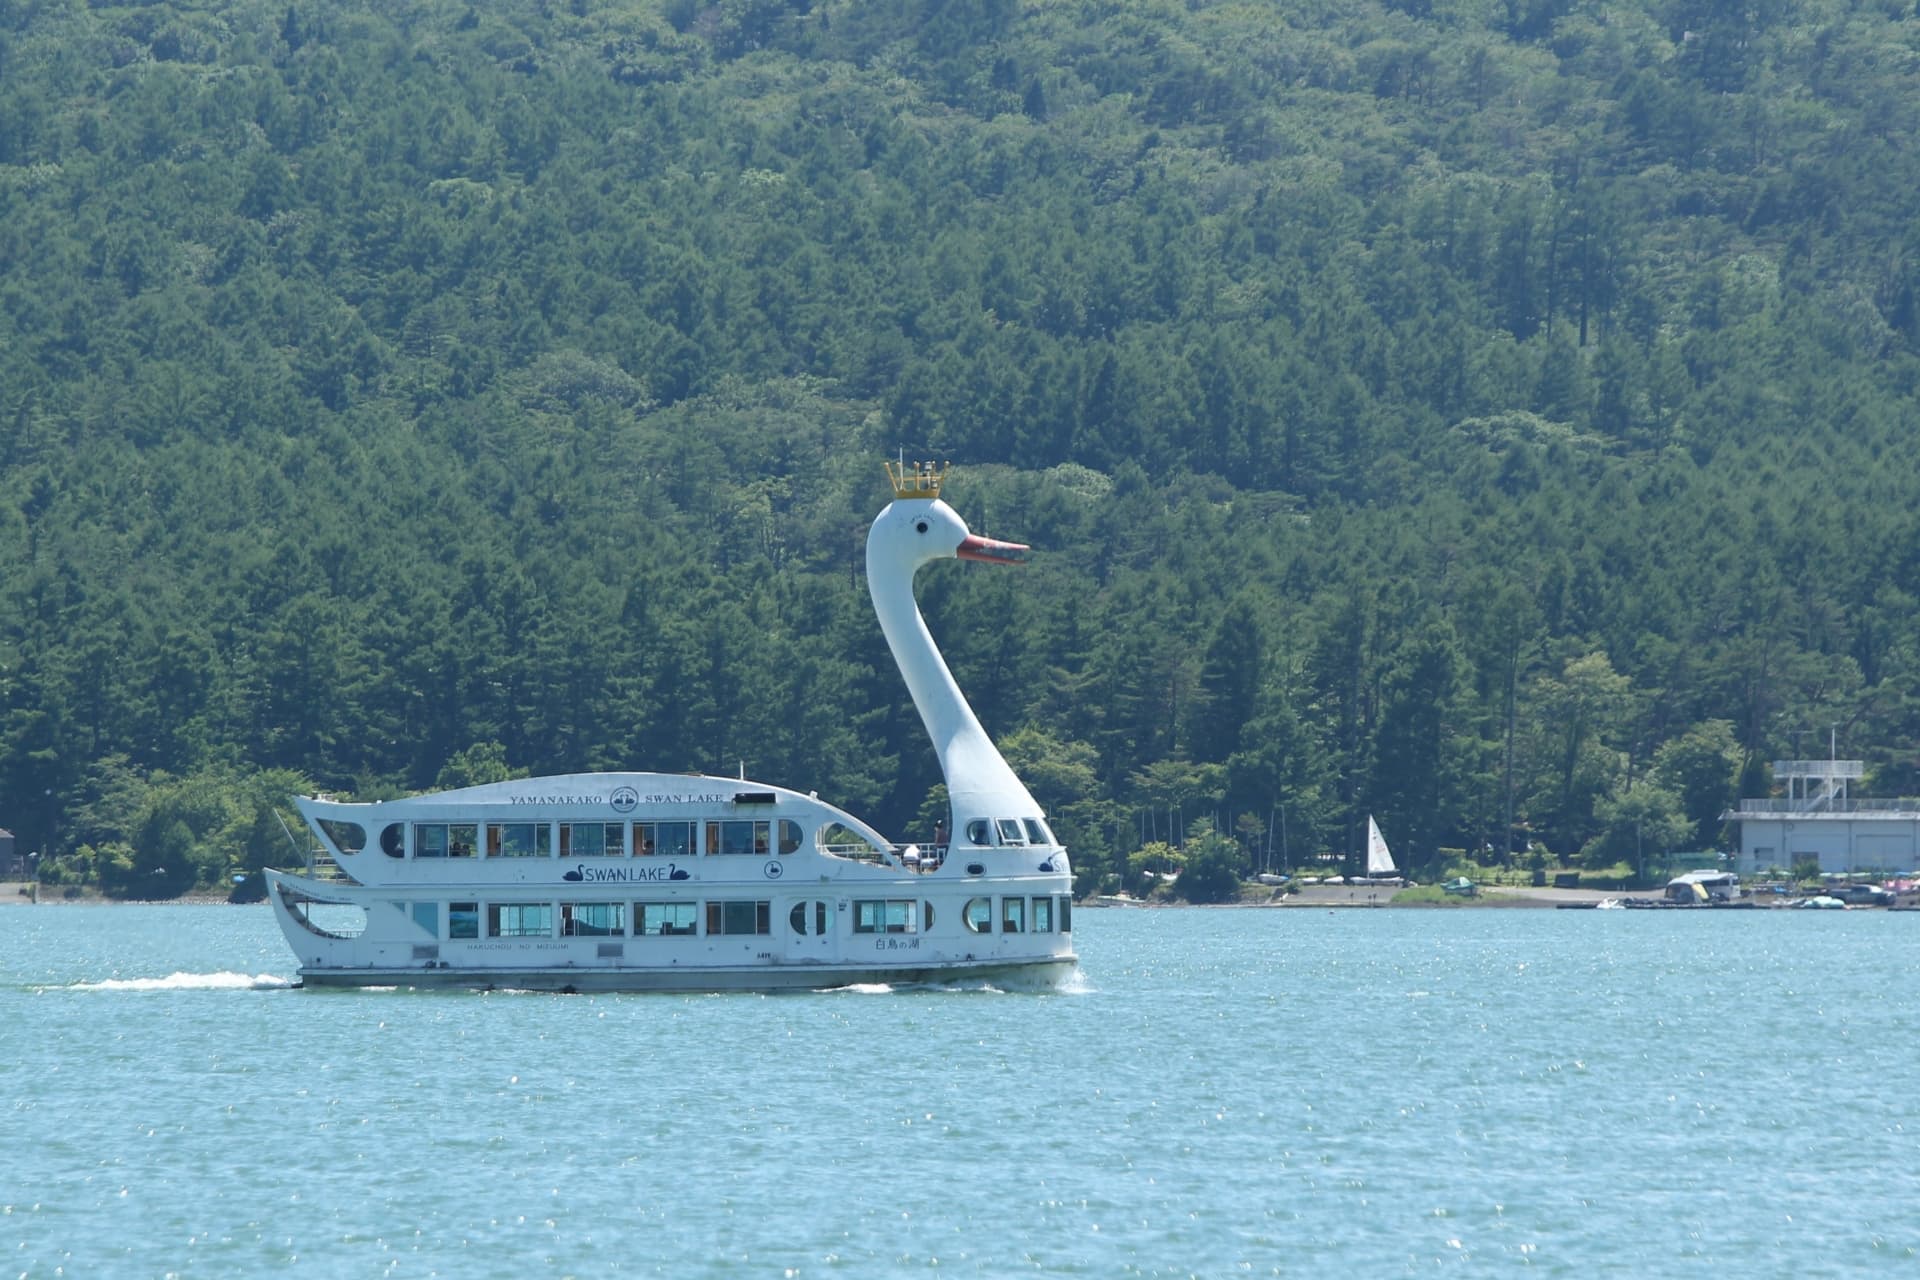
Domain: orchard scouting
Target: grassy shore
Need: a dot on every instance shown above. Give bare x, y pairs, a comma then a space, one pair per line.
1426, 896
20, 892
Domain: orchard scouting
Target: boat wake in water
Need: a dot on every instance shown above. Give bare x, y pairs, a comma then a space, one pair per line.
189, 982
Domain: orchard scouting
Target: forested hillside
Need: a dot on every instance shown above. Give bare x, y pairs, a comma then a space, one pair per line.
1495, 415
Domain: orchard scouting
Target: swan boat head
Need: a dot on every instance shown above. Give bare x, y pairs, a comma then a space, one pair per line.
915, 529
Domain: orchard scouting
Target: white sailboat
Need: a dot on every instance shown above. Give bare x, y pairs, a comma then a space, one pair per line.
1379, 857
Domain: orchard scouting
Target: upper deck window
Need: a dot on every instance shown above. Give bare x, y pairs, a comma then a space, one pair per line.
593, 840
519, 840
663, 839
789, 835
1010, 832
1037, 832
980, 832
445, 839
737, 837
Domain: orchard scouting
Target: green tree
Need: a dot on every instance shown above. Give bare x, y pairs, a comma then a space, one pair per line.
1417, 747
1700, 767
480, 763
1213, 865
1229, 682
1579, 713
1642, 824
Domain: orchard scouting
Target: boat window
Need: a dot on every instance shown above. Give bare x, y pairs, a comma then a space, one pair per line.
789, 835
593, 919
664, 919
463, 920
429, 839
1010, 832
1043, 915
737, 837
463, 839
519, 840
663, 839
593, 840
393, 839
345, 837
926, 916
739, 917
810, 918
1037, 832
1066, 913
426, 916
1013, 912
979, 831
979, 915
886, 915
520, 920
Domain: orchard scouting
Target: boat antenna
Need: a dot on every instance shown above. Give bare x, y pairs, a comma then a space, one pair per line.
305, 856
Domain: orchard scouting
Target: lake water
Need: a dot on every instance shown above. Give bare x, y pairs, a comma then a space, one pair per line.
1226, 1092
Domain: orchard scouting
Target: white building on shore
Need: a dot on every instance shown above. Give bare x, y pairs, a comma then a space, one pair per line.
1818, 820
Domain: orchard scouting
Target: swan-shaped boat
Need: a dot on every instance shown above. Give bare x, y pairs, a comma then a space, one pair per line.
686, 882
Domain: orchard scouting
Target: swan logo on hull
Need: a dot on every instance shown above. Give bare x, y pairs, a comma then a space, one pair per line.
584, 874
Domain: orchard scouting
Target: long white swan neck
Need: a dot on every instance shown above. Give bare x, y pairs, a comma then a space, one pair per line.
980, 783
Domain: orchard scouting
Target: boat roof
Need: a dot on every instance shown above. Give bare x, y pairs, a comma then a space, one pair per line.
1704, 877
586, 796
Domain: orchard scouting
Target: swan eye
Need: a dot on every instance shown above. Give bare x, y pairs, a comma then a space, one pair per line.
920, 526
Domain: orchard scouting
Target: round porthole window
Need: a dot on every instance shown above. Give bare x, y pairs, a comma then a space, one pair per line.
810, 919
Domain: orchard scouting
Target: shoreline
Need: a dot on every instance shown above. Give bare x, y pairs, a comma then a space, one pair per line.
1332, 897
19, 893
1361, 897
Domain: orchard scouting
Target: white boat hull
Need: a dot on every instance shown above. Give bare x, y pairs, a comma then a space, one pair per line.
811, 927
1033, 975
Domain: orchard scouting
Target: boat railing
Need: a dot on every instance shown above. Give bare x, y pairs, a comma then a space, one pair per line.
929, 856
321, 866
1788, 808
854, 852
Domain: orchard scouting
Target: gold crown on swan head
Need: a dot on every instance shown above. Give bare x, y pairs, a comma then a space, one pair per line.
917, 479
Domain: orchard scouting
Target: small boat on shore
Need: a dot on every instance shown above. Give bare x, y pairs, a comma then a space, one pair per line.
634, 881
